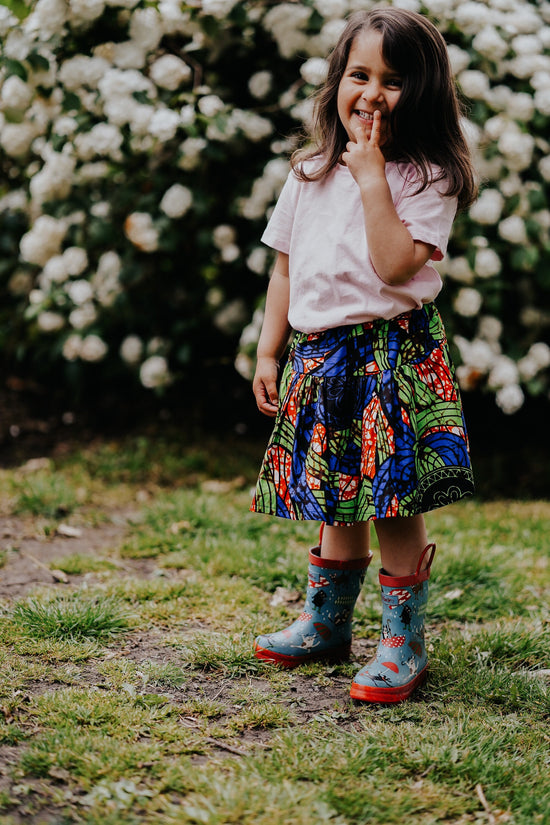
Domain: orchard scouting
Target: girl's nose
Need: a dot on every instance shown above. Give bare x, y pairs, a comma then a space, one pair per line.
372, 91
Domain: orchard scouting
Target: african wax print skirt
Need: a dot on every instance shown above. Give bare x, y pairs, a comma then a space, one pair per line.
370, 425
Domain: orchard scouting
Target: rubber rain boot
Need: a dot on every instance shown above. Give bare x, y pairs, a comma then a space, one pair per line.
323, 630
400, 663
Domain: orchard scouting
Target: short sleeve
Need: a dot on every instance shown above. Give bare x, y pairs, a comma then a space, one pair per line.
428, 215
278, 232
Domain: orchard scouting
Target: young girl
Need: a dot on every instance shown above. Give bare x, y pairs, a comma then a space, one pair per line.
369, 424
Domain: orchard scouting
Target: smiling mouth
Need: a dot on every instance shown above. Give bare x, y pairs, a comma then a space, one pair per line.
364, 115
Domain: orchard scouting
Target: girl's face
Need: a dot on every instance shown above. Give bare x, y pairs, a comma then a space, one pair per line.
367, 84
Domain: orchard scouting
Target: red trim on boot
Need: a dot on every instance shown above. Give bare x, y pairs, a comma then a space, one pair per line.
414, 578
387, 695
340, 654
317, 560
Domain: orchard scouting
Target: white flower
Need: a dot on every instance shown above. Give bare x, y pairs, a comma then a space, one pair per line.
232, 317
467, 302
7, 21
257, 260
527, 44
146, 28
55, 179
223, 235
16, 138
260, 84
459, 58
47, 18
43, 240
50, 321
140, 230
154, 372
254, 126
169, 72
131, 349
490, 328
504, 373
544, 168
540, 353
79, 291
210, 105
331, 8
474, 84
244, 365
164, 124
13, 201
105, 280
129, 55
314, 70
218, 8
542, 101
54, 272
487, 263
512, 229
488, 207
477, 353
459, 270
187, 115
521, 107
102, 139
510, 398
517, 147
116, 83
490, 44
86, 11
330, 34
101, 209
93, 348
72, 347
176, 201
230, 253
82, 70
191, 150
15, 94
251, 332
83, 316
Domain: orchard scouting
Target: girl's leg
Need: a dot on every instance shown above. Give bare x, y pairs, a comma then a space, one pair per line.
346, 543
401, 540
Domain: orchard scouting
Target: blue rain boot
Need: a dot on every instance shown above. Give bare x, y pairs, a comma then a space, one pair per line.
323, 630
400, 663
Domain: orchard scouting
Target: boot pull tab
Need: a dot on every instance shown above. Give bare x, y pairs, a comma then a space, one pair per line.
427, 549
321, 531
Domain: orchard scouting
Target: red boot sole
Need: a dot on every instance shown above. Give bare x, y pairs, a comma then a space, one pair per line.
283, 660
386, 696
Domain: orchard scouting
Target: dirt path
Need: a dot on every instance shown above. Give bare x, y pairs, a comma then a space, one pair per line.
28, 553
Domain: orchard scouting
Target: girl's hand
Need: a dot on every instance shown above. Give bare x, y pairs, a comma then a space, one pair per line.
364, 157
264, 385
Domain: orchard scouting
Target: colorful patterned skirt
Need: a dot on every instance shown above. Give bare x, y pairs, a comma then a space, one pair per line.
370, 425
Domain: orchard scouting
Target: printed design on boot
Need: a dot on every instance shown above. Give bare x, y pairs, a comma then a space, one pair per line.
400, 660
324, 626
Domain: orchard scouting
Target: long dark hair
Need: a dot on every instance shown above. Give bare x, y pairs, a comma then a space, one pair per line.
425, 123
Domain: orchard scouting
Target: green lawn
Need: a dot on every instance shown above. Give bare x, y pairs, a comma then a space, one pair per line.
128, 689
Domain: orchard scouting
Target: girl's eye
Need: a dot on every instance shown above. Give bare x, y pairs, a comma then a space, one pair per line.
396, 82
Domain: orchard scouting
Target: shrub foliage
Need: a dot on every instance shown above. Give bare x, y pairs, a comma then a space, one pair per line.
143, 142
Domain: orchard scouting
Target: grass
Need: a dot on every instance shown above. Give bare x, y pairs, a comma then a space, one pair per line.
131, 695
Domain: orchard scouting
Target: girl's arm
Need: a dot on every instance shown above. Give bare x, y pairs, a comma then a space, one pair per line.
396, 257
273, 338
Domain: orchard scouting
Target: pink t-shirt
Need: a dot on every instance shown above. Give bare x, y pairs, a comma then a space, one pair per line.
320, 225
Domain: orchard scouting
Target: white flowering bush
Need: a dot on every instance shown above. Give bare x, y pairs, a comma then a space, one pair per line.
143, 144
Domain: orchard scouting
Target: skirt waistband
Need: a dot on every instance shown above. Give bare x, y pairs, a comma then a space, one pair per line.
371, 347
